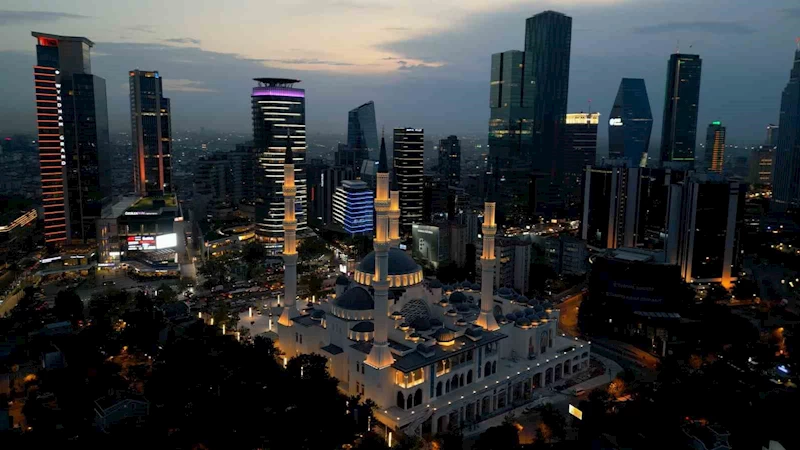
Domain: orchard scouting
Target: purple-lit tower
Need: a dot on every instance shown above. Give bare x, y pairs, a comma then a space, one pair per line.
279, 122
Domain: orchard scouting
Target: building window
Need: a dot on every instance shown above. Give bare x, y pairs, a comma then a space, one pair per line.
358, 387
362, 368
488, 369
357, 367
469, 377
494, 367
438, 389
401, 401
418, 397
296, 337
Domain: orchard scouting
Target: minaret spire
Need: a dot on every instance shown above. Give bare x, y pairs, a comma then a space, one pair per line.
380, 357
289, 238
486, 318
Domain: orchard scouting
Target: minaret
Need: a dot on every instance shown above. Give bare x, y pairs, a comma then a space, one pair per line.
289, 240
394, 208
486, 318
380, 357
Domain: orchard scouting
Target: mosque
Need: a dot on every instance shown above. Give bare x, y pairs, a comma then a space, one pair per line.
431, 356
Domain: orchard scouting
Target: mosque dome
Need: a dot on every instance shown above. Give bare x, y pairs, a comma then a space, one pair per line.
342, 280
421, 324
403, 270
434, 284
364, 327
458, 297
355, 299
475, 287
443, 335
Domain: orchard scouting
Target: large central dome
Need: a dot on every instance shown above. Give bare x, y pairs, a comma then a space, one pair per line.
403, 270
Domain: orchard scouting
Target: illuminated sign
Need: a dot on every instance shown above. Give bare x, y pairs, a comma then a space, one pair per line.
166, 241
49, 260
141, 243
615, 121
142, 213
576, 412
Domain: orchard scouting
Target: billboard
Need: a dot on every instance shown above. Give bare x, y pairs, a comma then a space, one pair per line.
425, 243
141, 242
167, 241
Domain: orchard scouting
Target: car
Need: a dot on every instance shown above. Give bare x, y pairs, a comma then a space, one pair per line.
109, 283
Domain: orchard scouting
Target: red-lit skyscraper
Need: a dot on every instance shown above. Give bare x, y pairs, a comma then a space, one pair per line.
151, 134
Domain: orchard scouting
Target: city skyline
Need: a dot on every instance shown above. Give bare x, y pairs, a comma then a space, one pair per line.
453, 80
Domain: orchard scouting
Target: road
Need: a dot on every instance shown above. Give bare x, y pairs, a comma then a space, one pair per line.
121, 281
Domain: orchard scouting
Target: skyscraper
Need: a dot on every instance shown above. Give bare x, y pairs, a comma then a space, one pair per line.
362, 132
682, 97
786, 178
353, 207
73, 140
450, 160
630, 123
772, 135
279, 122
409, 172
715, 147
151, 134
579, 149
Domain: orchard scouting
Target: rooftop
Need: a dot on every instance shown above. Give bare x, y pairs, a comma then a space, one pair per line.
276, 82
415, 360
153, 203
37, 34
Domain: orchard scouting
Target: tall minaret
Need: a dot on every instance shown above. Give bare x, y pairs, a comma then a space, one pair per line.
380, 357
486, 318
394, 210
289, 239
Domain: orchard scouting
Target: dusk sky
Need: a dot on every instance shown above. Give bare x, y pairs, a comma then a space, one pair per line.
425, 63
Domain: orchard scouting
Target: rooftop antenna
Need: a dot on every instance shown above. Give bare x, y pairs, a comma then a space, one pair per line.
797, 41
678, 46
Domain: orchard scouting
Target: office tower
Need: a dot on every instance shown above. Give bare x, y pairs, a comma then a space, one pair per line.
243, 161
578, 151
510, 135
715, 147
772, 135
630, 123
761, 162
626, 206
513, 263
786, 178
362, 132
682, 97
279, 121
353, 207
409, 172
151, 134
704, 220
449, 166
72, 120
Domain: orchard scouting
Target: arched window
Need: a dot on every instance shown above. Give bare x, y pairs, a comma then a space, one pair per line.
488, 369
418, 397
447, 387
494, 367
454, 384
409, 402
461, 381
438, 388
469, 377
401, 401
543, 343
531, 349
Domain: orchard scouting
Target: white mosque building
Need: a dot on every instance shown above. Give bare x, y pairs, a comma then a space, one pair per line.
431, 356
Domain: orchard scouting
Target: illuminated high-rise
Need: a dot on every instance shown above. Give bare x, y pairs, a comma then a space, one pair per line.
72, 125
449, 165
630, 123
409, 173
353, 207
681, 101
151, 133
279, 122
786, 177
715, 147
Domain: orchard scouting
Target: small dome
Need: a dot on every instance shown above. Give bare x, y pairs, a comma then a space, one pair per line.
443, 302
452, 312
547, 305
444, 335
532, 317
465, 284
404, 326
421, 324
461, 322
396, 315
317, 314
436, 323
415, 335
511, 316
529, 311
462, 308
533, 301
447, 288
504, 291
458, 297
523, 322
538, 308
542, 315
364, 327
519, 313
355, 299
475, 287
522, 298
342, 280
434, 284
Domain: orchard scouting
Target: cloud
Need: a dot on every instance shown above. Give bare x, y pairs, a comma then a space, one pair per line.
791, 12
305, 61
712, 27
142, 28
20, 17
404, 65
396, 28
183, 40
184, 85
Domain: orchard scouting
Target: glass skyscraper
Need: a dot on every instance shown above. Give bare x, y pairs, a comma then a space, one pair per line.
449, 164
151, 134
579, 150
715, 147
409, 172
786, 175
630, 123
682, 97
279, 123
72, 124
362, 132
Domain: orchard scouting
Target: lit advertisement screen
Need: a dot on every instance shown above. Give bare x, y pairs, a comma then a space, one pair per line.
167, 241
141, 242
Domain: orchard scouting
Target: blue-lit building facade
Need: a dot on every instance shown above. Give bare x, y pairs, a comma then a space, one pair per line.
786, 175
681, 102
353, 206
630, 123
279, 122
